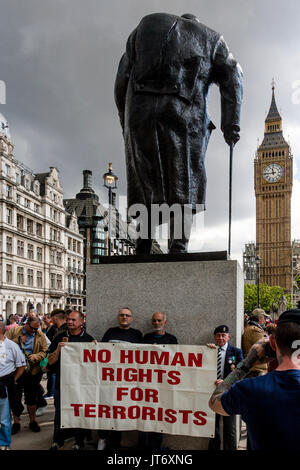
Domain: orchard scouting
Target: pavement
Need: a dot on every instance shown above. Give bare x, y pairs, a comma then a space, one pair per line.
28, 440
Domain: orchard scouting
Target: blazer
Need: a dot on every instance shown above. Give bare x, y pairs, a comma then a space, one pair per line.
233, 356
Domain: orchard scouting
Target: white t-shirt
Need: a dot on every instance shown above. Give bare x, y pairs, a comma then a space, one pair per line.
11, 357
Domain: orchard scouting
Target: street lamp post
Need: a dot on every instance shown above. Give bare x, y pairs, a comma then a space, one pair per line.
110, 182
258, 261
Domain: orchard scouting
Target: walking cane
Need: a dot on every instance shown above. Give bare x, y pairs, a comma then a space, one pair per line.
230, 196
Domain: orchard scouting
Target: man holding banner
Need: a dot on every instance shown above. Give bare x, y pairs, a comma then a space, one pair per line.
75, 333
123, 333
153, 440
227, 358
159, 335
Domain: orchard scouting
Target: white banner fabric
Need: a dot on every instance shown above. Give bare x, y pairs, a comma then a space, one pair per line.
124, 386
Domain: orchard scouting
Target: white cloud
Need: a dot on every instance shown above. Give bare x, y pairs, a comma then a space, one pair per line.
59, 59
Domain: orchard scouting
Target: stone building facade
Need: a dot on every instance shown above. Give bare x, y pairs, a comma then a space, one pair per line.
39, 240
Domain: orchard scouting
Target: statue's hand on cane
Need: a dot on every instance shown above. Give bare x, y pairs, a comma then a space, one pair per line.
231, 135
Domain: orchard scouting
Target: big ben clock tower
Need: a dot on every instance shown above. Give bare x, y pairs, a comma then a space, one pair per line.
273, 180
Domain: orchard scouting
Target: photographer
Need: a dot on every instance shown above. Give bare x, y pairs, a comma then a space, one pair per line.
268, 404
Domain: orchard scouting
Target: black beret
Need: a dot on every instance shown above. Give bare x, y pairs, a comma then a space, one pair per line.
221, 329
290, 316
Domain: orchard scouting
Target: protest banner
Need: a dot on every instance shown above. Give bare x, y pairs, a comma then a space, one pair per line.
123, 386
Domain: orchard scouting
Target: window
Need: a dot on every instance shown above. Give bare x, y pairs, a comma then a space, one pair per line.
59, 281
39, 253
18, 199
39, 230
30, 251
58, 258
8, 191
20, 222
9, 273
54, 235
78, 247
9, 244
9, 216
37, 188
20, 248
79, 266
18, 178
39, 279
52, 253
20, 276
99, 233
27, 203
30, 277
29, 226
74, 245
7, 170
36, 208
52, 281
27, 184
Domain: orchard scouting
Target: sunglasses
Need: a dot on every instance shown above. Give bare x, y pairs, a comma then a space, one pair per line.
34, 329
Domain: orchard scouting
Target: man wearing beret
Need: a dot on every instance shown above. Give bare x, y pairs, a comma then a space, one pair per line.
228, 357
269, 404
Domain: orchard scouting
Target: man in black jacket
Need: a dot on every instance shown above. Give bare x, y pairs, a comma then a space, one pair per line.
153, 440
161, 92
59, 325
159, 335
75, 333
119, 334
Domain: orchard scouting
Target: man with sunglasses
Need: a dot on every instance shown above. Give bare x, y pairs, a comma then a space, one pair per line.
33, 344
119, 334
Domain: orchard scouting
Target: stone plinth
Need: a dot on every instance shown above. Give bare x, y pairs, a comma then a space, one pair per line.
196, 294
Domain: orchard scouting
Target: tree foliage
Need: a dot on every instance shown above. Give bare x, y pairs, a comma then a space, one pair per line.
268, 295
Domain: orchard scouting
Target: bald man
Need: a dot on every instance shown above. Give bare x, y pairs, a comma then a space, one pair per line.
153, 440
159, 335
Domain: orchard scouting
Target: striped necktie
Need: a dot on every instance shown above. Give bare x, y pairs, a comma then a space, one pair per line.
219, 364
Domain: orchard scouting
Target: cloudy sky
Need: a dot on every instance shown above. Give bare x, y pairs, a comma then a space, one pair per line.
59, 58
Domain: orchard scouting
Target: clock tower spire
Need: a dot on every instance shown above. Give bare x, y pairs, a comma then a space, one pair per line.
273, 180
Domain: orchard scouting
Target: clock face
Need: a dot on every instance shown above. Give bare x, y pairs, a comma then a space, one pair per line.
273, 172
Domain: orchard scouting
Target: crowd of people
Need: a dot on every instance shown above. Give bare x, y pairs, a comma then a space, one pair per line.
38, 341
31, 346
